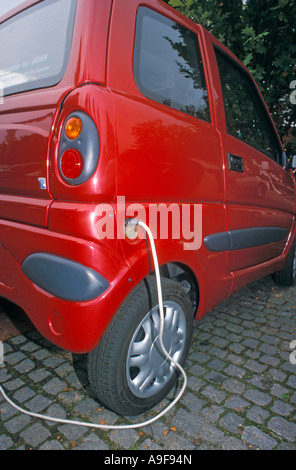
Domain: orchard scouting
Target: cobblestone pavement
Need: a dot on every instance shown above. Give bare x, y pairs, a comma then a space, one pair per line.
241, 390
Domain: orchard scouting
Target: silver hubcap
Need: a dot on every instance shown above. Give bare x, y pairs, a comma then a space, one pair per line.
147, 368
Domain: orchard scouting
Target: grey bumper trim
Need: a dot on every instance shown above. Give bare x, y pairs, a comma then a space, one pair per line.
64, 278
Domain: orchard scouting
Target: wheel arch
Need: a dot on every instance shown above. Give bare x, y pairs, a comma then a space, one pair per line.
186, 278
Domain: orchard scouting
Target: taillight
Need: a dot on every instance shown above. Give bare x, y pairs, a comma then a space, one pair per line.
79, 149
72, 164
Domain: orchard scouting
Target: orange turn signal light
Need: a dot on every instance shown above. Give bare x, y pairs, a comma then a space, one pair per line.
73, 128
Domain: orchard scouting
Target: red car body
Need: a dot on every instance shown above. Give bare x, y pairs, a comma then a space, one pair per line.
141, 145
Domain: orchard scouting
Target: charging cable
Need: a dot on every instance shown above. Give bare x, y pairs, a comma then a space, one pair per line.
129, 223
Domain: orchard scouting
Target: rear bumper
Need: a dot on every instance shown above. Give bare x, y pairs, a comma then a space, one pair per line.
70, 298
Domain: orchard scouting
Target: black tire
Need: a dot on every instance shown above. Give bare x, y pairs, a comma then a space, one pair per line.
287, 276
120, 362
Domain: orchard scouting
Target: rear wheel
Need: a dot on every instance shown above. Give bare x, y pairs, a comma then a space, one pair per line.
128, 371
287, 276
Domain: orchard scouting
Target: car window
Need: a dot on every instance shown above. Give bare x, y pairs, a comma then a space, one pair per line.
35, 46
167, 64
246, 116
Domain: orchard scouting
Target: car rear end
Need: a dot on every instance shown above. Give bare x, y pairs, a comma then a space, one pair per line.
57, 162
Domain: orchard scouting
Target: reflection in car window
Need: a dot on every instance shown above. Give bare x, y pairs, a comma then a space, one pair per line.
168, 66
35, 46
246, 117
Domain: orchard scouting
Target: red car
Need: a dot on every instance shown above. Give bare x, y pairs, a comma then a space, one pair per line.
111, 110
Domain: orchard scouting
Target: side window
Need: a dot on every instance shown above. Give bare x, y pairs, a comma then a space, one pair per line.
35, 46
167, 64
246, 116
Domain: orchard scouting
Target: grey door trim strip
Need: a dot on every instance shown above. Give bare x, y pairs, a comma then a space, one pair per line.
244, 238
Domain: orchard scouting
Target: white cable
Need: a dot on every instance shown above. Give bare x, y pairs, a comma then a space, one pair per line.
123, 426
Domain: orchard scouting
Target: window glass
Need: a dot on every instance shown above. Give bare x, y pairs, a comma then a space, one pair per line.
246, 116
168, 66
35, 46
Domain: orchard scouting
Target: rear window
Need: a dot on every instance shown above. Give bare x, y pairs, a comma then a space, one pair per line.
35, 46
168, 66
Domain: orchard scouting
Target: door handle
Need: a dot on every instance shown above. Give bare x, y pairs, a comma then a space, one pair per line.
235, 163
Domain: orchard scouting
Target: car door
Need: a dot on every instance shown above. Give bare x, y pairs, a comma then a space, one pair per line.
259, 191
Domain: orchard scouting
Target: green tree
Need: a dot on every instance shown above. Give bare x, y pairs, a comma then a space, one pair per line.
262, 34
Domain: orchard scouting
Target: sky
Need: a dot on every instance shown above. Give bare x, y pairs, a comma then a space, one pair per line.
6, 5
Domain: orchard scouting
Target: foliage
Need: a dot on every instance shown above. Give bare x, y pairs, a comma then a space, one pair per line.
262, 34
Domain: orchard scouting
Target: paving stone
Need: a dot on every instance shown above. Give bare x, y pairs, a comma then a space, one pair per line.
149, 445
92, 442
52, 445
257, 414
187, 422
282, 408
199, 357
283, 428
54, 386
278, 390
232, 443
197, 370
254, 436
125, 438
273, 340
252, 354
250, 343
215, 377
236, 403
216, 364
293, 398
55, 411
178, 442
235, 371
86, 407
38, 403
25, 366
210, 433
236, 347
220, 342
259, 398
14, 358
53, 361
29, 346
234, 386
234, 359
292, 381
195, 383
212, 413
17, 423
5, 442
277, 375
231, 422
213, 394
192, 402
7, 411
35, 434
23, 394
255, 366
259, 381
39, 375
268, 349
72, 432
14, 384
